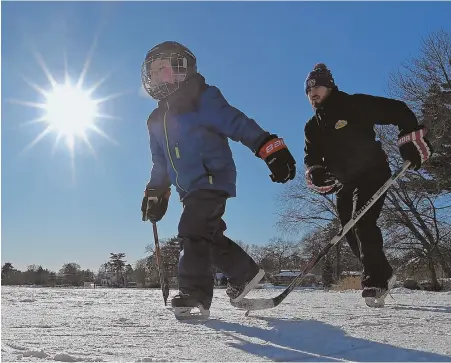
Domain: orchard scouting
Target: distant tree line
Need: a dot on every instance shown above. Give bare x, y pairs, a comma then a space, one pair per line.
69, 274
276, 255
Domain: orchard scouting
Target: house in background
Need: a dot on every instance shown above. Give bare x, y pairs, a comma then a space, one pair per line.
284, 277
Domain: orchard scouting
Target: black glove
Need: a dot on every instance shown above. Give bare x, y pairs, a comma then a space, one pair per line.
278, 158
321, 181
155, 203
415, 147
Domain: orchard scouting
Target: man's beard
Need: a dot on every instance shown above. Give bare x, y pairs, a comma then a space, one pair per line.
316, 103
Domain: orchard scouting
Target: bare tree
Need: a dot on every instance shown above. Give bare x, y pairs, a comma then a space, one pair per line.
433, 66
304, 210
257, 252
415, 213
327, 273
418, 221
342, 260
170, 252
280, 254
424, 83
437, 118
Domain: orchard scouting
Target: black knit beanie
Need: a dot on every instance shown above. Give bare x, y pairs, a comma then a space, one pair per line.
320, 76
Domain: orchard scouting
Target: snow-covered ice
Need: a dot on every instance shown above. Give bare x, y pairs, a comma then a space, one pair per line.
133, 325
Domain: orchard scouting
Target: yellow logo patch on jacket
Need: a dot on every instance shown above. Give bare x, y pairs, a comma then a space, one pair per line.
340, 124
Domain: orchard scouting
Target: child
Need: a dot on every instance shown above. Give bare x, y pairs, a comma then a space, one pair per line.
189, 133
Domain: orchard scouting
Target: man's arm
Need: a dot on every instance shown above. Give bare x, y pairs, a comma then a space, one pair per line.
413, 144
385, 111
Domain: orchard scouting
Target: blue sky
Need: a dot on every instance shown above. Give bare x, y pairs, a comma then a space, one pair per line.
258, 54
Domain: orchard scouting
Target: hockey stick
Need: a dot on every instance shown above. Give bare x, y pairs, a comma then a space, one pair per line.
161, 271
260, 304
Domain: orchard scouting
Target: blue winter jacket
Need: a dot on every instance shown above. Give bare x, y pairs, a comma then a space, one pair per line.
191, 150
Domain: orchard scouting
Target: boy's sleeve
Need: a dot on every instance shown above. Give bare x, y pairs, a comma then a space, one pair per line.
158, 175
233, 123
385, 111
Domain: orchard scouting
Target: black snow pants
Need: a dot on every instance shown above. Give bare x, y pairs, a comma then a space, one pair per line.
203, 245
365, 239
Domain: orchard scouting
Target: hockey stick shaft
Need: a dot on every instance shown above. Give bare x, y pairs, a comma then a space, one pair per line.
346, 228
257, 304
161, 271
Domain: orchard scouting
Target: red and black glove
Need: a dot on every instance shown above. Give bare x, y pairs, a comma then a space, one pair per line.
278, 158
155, 203
415, 147
320, 181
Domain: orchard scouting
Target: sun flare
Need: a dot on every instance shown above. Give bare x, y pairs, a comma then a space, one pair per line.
70, 112
68, 109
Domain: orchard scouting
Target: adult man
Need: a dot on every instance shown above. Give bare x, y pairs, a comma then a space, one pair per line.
343, 156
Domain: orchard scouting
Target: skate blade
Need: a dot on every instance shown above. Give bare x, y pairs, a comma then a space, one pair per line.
250, 286
373, 302
391, 283
379, 302
191, 313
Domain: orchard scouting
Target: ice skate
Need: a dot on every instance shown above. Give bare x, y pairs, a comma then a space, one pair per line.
188, 308
375, 296
237, 293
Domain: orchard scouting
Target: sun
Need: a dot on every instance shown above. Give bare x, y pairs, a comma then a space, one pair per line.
70, 112
68, 108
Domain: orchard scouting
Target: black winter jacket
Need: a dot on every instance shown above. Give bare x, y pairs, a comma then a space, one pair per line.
341, 135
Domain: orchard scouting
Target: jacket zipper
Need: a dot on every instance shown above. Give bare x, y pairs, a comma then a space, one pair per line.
210, 175
169, 150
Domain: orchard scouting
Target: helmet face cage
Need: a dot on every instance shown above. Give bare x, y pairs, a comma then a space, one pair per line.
162, 73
